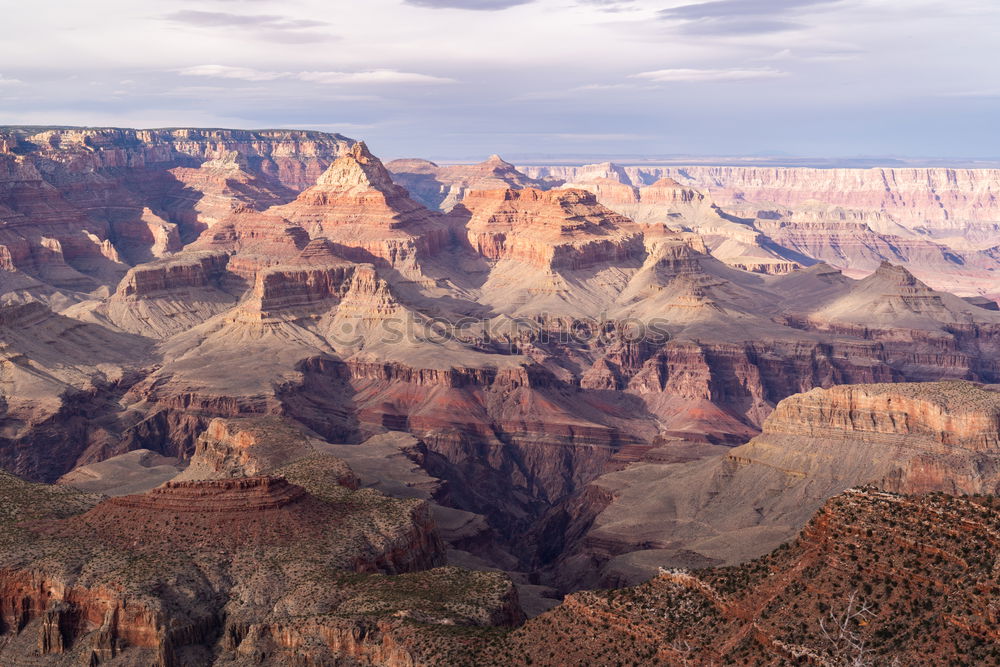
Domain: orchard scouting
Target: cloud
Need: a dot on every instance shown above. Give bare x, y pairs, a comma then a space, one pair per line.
480, 5
271, 27
227, 72
809, 55
731, 8
371, 77
9, 82
686, 75
609, 5
739, 17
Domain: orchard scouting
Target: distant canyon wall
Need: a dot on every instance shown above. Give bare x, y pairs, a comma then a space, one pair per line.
913, 197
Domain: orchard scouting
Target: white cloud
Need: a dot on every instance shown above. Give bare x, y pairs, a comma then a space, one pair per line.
373, 76
227, 72
378, 76
735, 74
8, 82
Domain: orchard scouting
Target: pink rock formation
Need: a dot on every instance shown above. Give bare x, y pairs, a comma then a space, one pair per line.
356, 204
564, 229
442, 188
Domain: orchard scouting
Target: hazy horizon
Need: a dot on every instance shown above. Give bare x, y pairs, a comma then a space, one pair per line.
456, 79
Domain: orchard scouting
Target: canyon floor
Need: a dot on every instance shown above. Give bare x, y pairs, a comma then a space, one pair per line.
267, 400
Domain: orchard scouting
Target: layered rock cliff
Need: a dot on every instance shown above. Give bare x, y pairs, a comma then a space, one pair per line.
912, 196
278, 568
80, 205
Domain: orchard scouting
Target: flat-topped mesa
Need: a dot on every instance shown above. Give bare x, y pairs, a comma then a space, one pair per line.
244, 495
591, 172
193, 269
167, 296
552, 229
193, 514
253, 446
678, 253
608, 191
934, 415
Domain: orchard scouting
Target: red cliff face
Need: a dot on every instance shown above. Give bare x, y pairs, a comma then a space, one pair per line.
906, 435
555, 229
79, 205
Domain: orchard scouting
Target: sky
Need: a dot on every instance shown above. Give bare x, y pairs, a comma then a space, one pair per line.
461, 79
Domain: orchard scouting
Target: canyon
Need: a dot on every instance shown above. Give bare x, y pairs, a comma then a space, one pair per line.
335, 386
941, 223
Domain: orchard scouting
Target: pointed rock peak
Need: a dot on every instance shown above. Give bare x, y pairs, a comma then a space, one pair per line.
667, 182
497, 161
892, 274
357, 169
360, 152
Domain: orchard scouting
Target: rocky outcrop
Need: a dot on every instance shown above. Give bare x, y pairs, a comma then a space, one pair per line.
917, 438
442, 188
723, 508
250, 446
356, 205
560, 229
